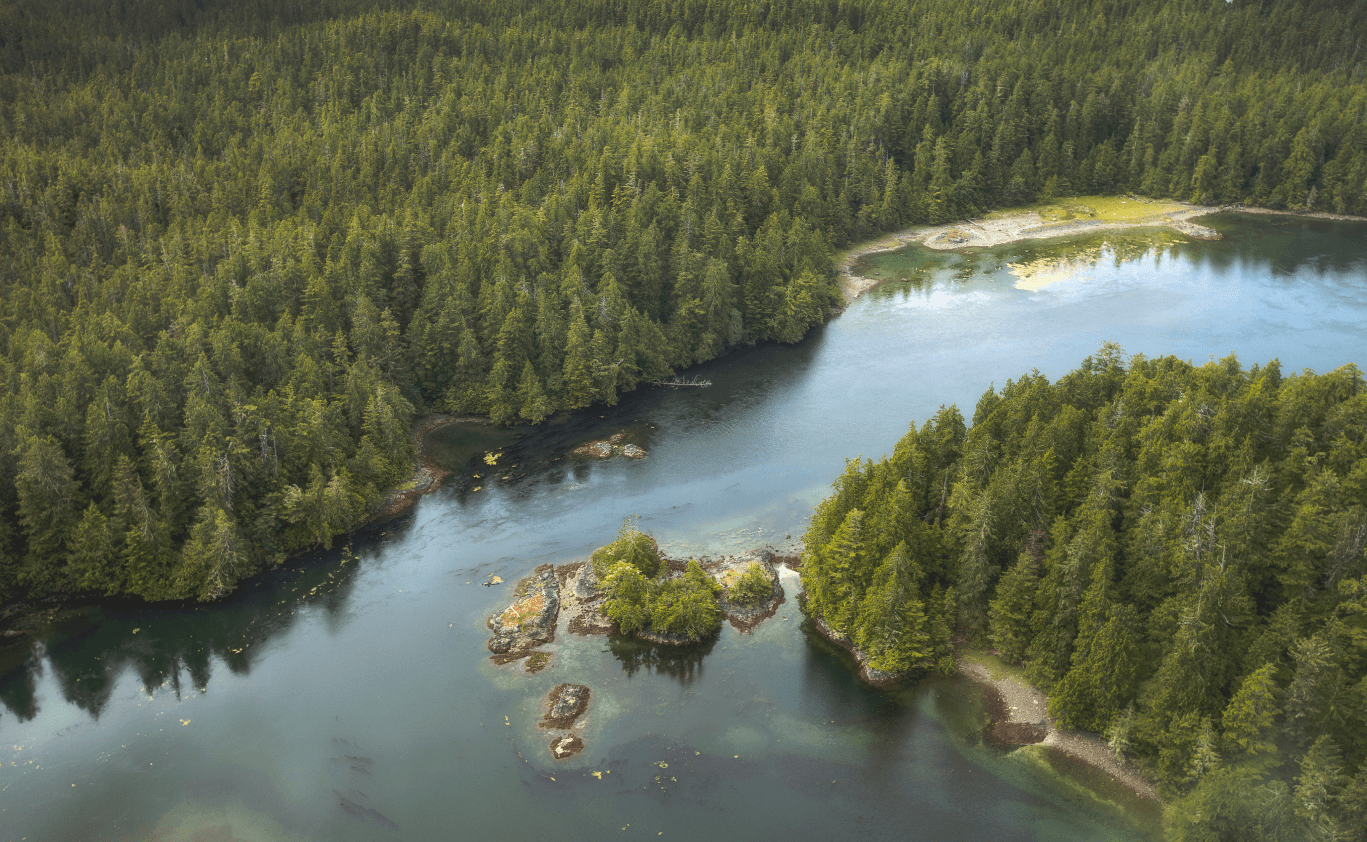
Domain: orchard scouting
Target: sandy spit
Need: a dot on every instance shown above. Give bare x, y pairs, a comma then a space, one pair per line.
1026, 705
983, 233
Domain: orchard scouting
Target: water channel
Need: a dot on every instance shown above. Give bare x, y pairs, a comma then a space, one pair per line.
349, 695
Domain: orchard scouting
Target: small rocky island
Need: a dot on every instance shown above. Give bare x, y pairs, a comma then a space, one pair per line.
563, 713
529, 621
626, 587
630, 587
610, 447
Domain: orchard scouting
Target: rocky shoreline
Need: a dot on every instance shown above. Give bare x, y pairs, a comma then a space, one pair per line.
427, 474
867, 674
1020, 717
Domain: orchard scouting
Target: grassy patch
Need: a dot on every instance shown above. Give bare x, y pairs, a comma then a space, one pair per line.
523, 611
997, 669
1099, 208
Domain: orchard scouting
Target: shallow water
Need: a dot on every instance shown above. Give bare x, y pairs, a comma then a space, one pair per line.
349, 695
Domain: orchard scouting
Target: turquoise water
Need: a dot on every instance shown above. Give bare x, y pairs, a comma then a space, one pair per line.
359, 677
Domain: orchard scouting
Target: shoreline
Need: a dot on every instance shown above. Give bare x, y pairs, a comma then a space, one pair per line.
1018, 715
1007, 228
1022, 707
1012, 227
427, 474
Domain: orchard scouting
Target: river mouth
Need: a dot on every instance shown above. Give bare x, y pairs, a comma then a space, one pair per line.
245, 714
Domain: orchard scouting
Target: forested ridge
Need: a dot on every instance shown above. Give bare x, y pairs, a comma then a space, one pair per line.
1175, 553
241, 244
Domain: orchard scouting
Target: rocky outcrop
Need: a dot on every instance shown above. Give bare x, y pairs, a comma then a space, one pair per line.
564, 710
745, 616
613, 445
581, 600
564, 705
529, 620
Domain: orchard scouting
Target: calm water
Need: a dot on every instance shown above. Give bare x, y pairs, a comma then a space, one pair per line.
361, 674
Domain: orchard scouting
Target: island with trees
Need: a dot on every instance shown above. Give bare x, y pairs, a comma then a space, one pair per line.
1176, 553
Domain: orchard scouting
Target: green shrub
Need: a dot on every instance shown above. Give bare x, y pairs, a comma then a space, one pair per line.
686, 605
628, 597
632, 547
751, 587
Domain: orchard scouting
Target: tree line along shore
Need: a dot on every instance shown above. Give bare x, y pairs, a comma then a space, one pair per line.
1176, 554
241, 246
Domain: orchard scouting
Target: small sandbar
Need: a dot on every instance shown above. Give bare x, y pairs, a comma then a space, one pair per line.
1020, 716
1069, 217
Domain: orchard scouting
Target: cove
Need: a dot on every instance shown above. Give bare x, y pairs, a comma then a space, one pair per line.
350, 696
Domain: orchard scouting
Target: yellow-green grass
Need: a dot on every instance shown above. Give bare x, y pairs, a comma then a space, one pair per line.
997, 669
1101, 208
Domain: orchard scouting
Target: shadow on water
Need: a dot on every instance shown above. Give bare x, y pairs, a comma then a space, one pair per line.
1287, 245
682, 663
533, 459
172, 647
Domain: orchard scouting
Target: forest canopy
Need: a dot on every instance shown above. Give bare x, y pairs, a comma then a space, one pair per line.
242, 244
1177, 554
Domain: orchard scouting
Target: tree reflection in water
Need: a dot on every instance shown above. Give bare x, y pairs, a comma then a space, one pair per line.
683, 663
169, 647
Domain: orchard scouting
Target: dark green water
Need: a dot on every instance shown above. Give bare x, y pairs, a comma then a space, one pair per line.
361, 674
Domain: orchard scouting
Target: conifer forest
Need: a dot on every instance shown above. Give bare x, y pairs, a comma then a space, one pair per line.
1176, 554
243, 245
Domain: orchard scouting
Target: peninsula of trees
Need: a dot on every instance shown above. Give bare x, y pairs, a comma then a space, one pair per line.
241, 244
1177, 554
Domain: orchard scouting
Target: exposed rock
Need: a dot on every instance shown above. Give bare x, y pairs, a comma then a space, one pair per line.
594, 450
563, 747
744, 617
530, 620
608, 448
581, 600
670, 639
565, 703
586, 585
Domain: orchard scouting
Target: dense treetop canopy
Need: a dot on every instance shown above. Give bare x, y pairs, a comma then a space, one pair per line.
241, 244
1178, 555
